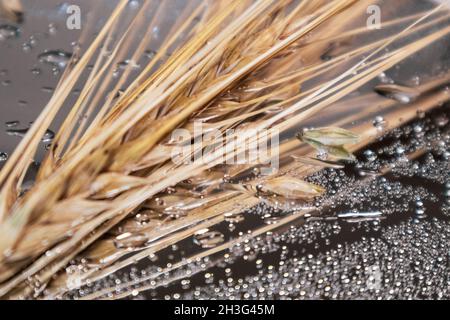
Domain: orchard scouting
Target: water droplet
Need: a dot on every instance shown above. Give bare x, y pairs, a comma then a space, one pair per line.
52, 28
130, 240
368, 173
327, 55
401, 94
30, 44
418, 129
133, 4
124, 64
8, 31
6, 83
3, 156
47, 89
62, 8
156, 32
11, 124
33, 41
143, 217
360, 214
76, 46
55, 58
36, 71
26, 47
271, 220
208, 239
379, 123
370, 155
441, 120
48, 136
416, 80
150, 54
234, 217
447, 191
384, 78
420, 209
400, 151
357, 217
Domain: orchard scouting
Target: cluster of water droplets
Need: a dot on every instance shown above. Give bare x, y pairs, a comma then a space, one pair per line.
8, 31
12, 130
374, 235
405, 261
